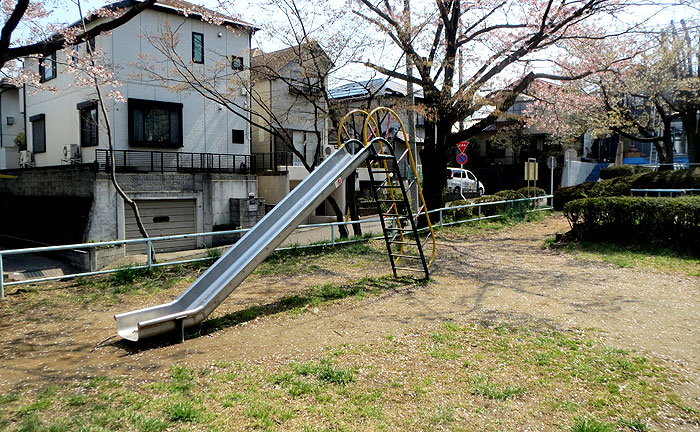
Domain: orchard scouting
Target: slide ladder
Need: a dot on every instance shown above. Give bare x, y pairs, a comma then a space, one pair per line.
399, 225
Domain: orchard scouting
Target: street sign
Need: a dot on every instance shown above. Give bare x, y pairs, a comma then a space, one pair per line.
531, 170
462, 145
461, 158
551, 162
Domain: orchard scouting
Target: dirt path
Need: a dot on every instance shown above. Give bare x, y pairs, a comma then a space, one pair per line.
495, 277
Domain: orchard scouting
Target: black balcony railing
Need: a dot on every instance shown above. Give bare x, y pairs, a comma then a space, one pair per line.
159, 161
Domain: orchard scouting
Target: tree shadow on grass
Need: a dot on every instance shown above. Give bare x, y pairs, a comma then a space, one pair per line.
314, 296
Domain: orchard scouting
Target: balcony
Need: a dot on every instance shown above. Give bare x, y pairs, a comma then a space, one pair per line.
134, 161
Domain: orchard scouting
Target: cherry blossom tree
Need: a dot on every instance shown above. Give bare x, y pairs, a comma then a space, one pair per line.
506, 45
638, 99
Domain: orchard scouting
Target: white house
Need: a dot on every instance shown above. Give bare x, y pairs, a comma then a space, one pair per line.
182, 157
288, 95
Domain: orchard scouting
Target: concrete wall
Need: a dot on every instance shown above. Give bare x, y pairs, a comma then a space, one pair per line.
211, 193
273, 187
575, 172
206, 126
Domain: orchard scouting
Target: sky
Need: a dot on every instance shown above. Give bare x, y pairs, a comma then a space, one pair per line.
250, 12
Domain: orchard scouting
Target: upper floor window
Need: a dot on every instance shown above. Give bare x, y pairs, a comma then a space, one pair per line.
88, 124
156, 124
197, 47
47, 67
237, 63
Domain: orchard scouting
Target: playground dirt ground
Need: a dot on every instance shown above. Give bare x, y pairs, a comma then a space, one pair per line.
481, 277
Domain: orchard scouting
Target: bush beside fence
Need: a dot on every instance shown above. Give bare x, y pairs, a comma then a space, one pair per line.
672, 222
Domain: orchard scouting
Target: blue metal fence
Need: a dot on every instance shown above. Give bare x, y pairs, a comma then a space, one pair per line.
539, 205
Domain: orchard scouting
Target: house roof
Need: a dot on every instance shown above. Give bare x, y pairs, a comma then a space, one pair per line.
376, 87
263, 62
183, 8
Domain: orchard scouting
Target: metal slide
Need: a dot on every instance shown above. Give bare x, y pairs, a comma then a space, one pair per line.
214, 285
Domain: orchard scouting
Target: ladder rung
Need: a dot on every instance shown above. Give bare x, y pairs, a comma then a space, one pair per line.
407, 256
400, 158
388, 187
382, 172
398, 229
400, 242
394, 215
410, 269
389, 201
381, 157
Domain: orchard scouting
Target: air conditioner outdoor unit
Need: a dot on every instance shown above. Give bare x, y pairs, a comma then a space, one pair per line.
71, 154
26, 159
328, 150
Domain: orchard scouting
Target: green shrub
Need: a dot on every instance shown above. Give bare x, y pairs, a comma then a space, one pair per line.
678, 179
617, 186
463, 213
509, 195
508, 209
671, 222
623, 171
531, 191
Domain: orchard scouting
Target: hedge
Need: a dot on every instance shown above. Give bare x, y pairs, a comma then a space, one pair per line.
509, 209
678, 179
672, 222
618, 186
463, 213
531, 191
623, 171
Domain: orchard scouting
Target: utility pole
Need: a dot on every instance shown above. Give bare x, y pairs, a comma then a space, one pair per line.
410, 113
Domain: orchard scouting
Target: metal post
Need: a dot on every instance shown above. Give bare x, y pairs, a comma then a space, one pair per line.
149, 258
2, 277
479, 212
551, 184
440, 217
332, 235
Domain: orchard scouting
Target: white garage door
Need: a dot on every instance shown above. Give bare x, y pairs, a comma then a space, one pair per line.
162, 218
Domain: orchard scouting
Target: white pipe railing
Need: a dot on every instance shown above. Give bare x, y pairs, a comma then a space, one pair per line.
149, 241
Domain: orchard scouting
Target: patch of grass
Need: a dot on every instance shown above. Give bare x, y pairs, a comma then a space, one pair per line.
481, 386
652, 257
184, 411
325, 372
590, 424
635, 425
127, 275
580, 384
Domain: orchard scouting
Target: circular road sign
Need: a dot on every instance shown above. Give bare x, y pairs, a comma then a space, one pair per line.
461, 158
551, 162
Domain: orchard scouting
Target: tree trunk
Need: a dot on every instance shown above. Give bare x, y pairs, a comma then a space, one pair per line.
691, 124
434, 160
664, 148
339, 216
351, 203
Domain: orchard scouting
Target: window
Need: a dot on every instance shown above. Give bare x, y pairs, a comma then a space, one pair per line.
197, 47
156, 124
237, 136
38, 133
237, 63
88, 124
47, 67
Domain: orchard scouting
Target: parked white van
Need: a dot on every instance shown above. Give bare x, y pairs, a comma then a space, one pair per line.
468, 181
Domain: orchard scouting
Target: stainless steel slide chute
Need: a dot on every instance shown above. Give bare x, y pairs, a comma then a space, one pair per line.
214, 285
